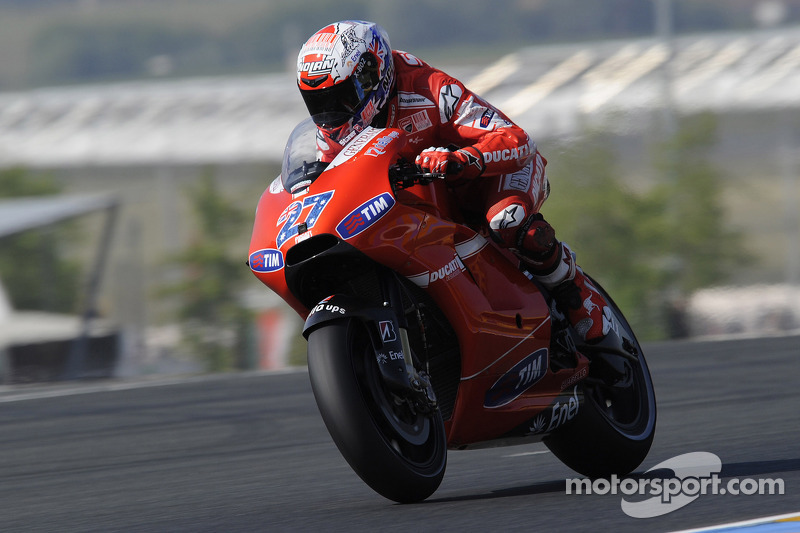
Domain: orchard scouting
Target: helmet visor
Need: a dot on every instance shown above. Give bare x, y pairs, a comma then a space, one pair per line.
332, 106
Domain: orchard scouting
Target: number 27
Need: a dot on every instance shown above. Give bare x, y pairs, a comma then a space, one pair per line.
291, 215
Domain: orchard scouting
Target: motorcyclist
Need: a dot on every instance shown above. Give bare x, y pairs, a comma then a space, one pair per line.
494, 166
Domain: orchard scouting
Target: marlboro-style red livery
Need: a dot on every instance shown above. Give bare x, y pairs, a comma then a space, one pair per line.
424, 335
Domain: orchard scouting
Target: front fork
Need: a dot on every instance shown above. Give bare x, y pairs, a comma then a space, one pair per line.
388, 330
421, 389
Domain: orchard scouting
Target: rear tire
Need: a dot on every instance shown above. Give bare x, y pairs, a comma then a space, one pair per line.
399, 453
613, 431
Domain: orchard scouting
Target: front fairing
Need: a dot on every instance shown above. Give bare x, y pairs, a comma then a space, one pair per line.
345, 198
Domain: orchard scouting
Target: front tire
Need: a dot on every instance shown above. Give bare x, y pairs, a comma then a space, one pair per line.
399, 452
613, 431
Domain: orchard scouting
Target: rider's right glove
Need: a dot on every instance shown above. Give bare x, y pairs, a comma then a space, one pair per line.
464, 163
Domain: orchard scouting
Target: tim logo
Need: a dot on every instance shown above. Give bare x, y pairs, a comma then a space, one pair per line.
268, 260
517, 380
387, 331
365, 216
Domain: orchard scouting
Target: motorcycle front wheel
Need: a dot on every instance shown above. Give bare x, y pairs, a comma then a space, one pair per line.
399, 452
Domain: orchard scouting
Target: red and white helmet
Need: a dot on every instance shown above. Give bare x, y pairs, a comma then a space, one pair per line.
346, 70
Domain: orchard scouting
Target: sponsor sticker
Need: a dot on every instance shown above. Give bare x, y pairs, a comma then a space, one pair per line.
379, 146
388, 334
317, 68
320, 43
446, 273
517, 380
267, 260
449, 271
562, 411
417, 122
276, 187
509, 154
575, 378
365, 215
354, 146
414, 100
330, 308
486, 118
518, 181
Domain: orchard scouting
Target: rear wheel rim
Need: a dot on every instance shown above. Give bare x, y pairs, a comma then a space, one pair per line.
627, 408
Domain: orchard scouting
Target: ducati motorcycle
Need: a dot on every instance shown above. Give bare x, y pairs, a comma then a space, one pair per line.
424, 336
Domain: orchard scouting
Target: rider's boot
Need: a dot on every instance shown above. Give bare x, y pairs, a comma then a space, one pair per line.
552, 263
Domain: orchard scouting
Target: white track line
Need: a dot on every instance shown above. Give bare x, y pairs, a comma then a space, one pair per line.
12, 393
745, 523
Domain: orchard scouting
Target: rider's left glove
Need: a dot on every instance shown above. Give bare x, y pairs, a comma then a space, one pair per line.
466, 163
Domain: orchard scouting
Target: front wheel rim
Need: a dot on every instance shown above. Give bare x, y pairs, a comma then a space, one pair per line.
411, 434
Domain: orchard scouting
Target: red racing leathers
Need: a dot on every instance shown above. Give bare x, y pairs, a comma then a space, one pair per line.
503, 174
502, 178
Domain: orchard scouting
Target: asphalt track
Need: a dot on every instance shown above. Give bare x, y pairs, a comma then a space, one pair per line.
244, 453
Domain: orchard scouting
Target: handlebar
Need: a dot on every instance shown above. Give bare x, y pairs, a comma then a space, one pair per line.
404, 174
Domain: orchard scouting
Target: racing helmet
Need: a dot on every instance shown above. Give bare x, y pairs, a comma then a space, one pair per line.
346, 75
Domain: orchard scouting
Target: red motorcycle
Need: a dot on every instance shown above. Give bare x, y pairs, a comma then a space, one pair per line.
424, 336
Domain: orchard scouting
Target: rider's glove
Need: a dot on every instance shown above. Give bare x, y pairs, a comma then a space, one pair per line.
463, 163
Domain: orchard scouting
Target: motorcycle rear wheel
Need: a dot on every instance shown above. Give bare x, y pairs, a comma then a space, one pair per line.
399, 452
613, 431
